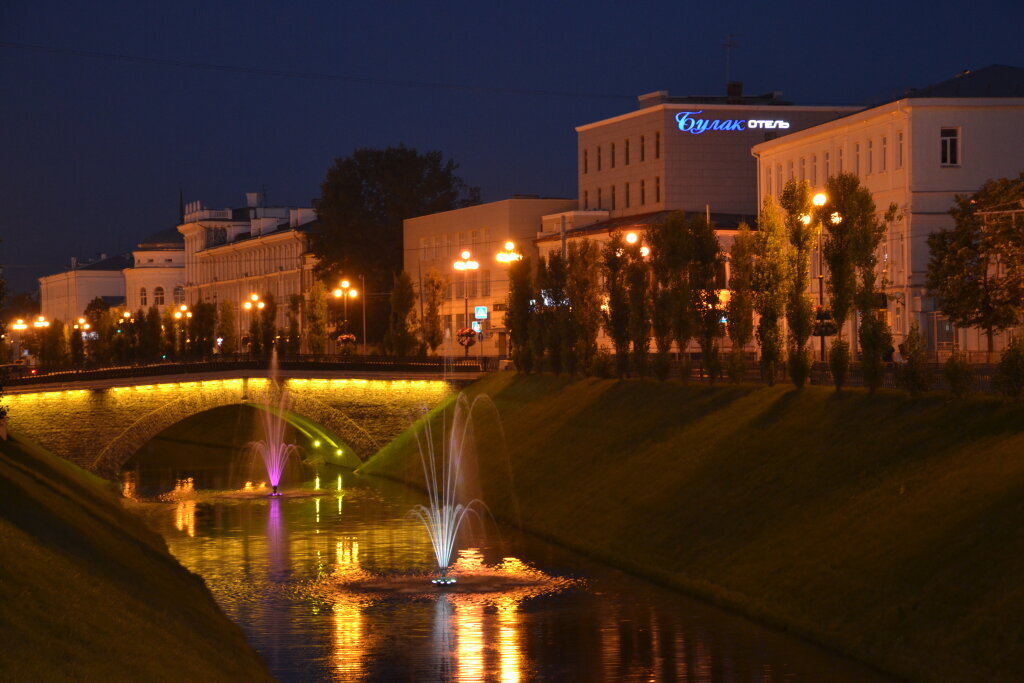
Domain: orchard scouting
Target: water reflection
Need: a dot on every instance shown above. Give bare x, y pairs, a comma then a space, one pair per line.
280, 568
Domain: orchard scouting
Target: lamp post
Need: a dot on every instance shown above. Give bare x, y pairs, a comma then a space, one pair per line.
253, 303
508, 256
345, 292
466, 264
819, 200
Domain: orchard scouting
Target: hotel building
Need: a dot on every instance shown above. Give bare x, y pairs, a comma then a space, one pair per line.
918, 152
157, 276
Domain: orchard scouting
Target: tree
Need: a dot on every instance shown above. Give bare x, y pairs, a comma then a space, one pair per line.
1009, 376
152, 335
316, 318
268, 323
740, 309
3, 335
53, 347
293, 340
201, 329
915, 375
638, 279
169, 334
518, 314
76, 346
227, 331
616, 317
975, 269
674, 315
583, 289
802, 231
364, 199
400, 340
770, 284
431, 330
97, 313
707, 280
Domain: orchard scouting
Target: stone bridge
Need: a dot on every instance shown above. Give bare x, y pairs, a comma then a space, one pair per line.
101, 427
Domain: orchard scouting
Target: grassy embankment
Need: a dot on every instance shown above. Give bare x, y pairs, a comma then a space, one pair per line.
884, 527
87, 592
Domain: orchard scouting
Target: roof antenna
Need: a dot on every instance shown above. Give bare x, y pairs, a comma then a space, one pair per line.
729, 45
181, 205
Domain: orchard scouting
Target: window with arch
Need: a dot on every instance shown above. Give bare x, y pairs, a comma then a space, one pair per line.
142, 296
158, 296
179, 294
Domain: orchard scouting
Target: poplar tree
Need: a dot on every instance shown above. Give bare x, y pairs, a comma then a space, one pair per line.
227, 330
399, 339
431, 330
316, 318
583, 289
669, 292
802, 230
706, 267
770, 284
616, 317
268, 323
293, 341
740, 309
519, 311
638, 278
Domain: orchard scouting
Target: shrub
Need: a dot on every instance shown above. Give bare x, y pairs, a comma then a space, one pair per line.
736, 367
662, 365
839, 362
1009, 377
800, 364
958, 374
875, 341
915, 375
603, 364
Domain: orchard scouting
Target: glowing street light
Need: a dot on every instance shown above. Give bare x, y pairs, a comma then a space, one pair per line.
632, 238
346, 292
465, 265
819, 199
41, 321
509, 255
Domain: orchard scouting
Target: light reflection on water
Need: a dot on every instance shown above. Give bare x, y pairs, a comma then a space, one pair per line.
277, 565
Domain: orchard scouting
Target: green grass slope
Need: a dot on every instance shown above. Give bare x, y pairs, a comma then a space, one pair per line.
885, 527
87, 592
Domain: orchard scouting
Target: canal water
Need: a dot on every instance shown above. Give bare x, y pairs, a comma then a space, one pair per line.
279, 567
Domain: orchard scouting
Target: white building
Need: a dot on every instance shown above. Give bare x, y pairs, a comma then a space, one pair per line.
437, 241
918, 152
64, 296
234, 253
157, 275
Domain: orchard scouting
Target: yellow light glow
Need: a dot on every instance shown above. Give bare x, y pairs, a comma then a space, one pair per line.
820, 199
254, 297
805, 219
247, 305
260, 305
183, 308
509, 246
337, 293
836, 218
465, 255
459, 265
644, 251
344, 284
127, 314
81, 321
632, 238
316, 443
353, 293
177, 315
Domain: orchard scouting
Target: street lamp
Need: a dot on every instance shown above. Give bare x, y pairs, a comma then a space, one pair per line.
835, 218
345, 292
466, 264
509, 255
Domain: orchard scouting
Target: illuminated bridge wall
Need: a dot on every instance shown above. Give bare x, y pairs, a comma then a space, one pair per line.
100, 429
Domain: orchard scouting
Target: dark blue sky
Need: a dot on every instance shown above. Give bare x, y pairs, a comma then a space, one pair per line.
94, 149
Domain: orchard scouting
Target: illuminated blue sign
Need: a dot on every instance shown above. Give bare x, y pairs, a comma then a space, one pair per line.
481, 313
477, 327
689, 123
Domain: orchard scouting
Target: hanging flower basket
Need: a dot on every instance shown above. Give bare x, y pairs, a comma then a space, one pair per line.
466, 337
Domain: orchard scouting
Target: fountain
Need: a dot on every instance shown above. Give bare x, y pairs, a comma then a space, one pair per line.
272, 450
443, 476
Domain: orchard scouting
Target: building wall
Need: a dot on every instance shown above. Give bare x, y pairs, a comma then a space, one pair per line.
155, 268
670, 168
895, 151
436, 241
64, 296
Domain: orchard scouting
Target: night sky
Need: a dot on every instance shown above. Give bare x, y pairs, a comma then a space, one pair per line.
95, 148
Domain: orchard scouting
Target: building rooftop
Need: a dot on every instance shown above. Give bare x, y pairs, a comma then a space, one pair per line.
165, 239
734, 95
116, 262
721, 221
996, 80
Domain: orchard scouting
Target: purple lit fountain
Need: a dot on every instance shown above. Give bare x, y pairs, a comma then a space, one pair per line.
273, 452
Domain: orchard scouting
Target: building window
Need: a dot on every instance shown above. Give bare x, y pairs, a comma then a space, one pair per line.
586, 199
950, 150
884, 152
839, 160
179, 294
767, 181
611, 156
643, 148
778, 177
485, 283
599, 157
625, 153
856, 159
814, 169
142, 297
899, 149
599, 202
871, 157
789, 170
803, 169
657, 189
625, 192
613, 198
825, 160
643, 191
158, 296
657, 145
586, 161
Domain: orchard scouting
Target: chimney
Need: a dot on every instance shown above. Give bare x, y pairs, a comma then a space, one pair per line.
734, 92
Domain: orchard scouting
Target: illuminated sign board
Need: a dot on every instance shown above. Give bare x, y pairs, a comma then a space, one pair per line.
477, 327
689, 122
481, 313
